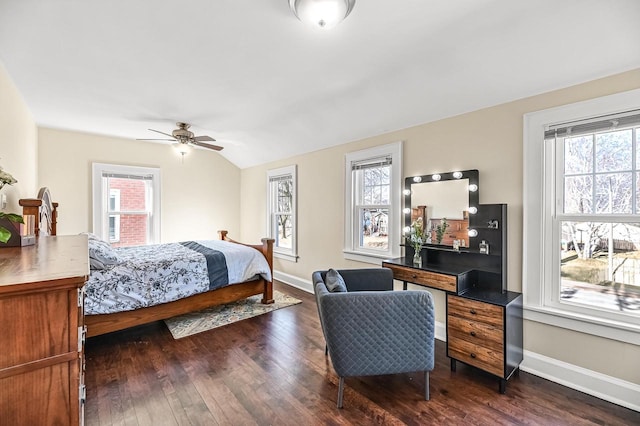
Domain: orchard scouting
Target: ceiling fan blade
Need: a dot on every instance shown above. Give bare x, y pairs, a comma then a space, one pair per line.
162, 133
174, 140
204, 138
207, 145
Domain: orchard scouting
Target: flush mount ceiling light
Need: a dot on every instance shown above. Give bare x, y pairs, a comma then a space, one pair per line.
323, 14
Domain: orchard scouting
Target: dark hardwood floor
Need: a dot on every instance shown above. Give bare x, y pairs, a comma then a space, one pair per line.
271, 369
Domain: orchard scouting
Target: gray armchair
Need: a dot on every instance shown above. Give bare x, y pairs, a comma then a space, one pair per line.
370, 331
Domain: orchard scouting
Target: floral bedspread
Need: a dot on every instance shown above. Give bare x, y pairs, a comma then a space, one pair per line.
161, 273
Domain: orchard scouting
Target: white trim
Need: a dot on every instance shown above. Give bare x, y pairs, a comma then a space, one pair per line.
537, 209
365, 258
600, 385
280, 252
292, 280
99, 200
351, 250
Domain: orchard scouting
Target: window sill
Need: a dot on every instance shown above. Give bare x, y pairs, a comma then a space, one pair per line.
608, 329
286, 256
366, 257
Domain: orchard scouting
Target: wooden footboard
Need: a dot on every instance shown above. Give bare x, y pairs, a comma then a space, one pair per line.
266, 248
106, 323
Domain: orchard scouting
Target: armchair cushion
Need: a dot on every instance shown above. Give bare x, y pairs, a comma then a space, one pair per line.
335, 282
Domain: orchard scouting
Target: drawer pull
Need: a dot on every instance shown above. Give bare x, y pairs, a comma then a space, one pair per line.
473, 333
414, 276
472, 355
473, 311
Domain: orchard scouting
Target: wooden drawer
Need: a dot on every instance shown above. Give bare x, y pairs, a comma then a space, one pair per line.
475, 332
475, 311
431, 279
487, 359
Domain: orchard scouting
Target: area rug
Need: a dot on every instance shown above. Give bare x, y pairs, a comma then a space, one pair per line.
217, 316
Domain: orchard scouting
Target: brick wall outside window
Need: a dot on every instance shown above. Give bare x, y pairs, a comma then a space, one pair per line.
133, 228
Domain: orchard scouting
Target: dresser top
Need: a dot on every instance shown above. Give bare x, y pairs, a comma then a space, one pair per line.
50, 259
448, 269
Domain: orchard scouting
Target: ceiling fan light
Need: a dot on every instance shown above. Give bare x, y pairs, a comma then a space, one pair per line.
182, 148
324, 14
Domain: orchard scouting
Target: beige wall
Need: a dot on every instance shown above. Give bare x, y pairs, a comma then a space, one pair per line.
198, 197
489, 140
18, 144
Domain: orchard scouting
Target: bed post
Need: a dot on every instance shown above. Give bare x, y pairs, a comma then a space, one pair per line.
267, 249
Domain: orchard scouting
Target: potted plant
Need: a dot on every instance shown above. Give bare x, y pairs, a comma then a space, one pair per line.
7, 219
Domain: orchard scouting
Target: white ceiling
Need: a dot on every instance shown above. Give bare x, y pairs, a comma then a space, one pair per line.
267, 87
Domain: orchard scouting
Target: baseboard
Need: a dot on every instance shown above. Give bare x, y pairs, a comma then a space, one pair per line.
600, 385
293, 281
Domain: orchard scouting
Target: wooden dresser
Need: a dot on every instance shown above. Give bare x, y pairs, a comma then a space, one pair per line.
42, 339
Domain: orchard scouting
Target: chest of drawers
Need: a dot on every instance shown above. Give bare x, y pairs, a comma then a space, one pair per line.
41, 312
485, 331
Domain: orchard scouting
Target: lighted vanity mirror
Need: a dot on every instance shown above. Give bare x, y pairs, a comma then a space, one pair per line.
445, 202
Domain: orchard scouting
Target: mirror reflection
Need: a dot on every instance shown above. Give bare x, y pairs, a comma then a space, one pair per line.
444, 208
444, 203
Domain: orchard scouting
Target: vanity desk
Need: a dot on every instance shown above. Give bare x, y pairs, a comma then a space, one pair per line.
484, 320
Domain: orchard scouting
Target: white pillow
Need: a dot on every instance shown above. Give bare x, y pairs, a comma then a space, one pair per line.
101, 254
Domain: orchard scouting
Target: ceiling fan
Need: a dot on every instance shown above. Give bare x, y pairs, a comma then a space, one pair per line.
184, 136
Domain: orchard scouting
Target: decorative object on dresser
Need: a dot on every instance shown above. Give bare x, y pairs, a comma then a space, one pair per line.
370, 331
484, 319
42, 339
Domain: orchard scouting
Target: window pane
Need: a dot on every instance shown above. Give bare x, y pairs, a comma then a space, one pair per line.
132, 193
578, 193
614, 151
285, 196
374, 224
600, 265
133, 230
613, 193
578, 155
283, 230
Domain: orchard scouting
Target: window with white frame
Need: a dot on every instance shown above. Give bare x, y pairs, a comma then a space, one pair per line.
372, 204
282, 211
126, 204
582, 196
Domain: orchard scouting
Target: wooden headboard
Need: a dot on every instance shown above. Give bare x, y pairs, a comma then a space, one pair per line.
45, 211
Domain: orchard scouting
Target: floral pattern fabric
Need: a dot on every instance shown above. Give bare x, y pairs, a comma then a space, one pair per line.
161, 273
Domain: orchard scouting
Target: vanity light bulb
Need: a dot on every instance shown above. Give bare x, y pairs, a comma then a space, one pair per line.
407, 192
406, 211
457, 175
473, 187
473, 233
473, 210
417, 179
436, 177
406, 229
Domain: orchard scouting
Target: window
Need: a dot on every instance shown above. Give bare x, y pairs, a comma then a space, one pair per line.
126, 204
582, 216
281, 211
372, 205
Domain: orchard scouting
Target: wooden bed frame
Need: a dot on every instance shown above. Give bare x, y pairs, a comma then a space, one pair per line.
106, 323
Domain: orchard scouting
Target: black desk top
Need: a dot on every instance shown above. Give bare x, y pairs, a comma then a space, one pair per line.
440, 269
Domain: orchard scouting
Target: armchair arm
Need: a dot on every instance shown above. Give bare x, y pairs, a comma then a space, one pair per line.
372, 333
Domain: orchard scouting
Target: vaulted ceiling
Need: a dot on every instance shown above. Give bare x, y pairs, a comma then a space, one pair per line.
267, 87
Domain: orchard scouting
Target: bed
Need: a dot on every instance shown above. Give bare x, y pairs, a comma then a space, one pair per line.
190, 267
